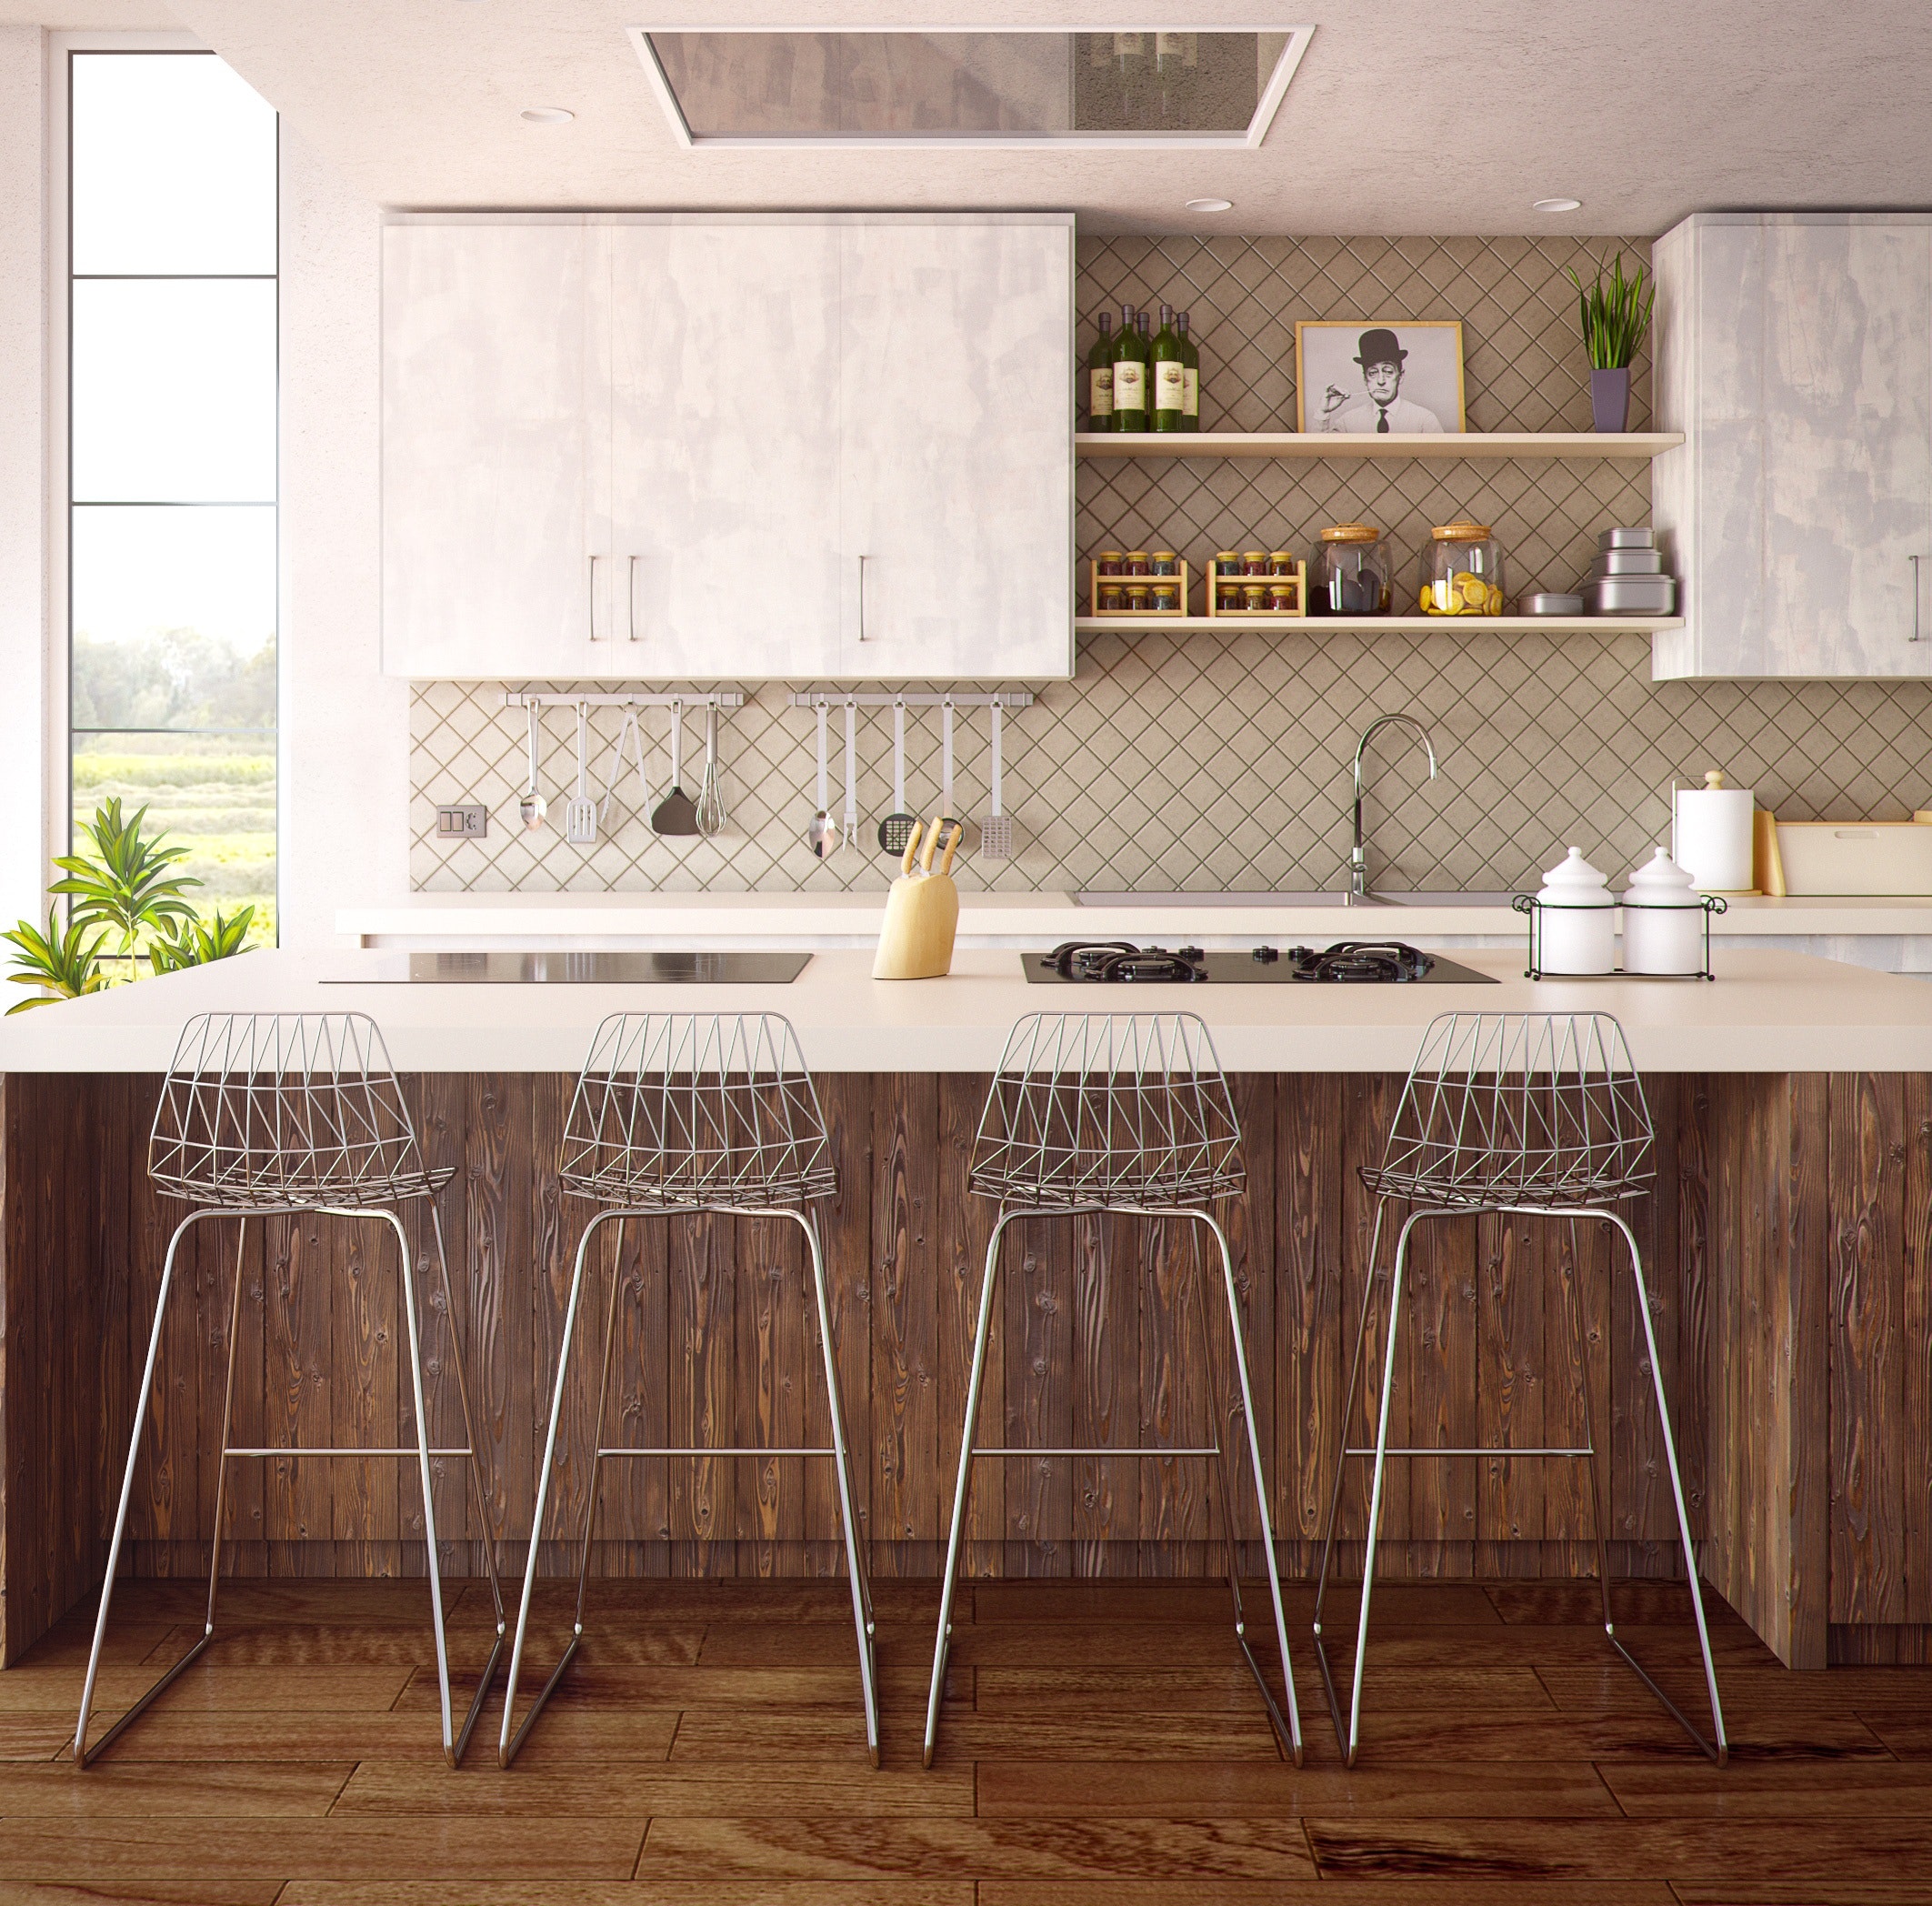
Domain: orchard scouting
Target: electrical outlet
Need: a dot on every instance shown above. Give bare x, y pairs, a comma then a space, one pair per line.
467, 821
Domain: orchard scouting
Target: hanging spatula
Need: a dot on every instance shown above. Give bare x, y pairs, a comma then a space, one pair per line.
995, 832
676, 813
580, 811
896, 829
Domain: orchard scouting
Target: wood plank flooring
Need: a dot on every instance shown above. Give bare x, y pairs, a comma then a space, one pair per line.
1101, 1746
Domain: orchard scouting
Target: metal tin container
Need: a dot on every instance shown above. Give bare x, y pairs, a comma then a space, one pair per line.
1627, 539
1550, 602
1631, 596
1628, 562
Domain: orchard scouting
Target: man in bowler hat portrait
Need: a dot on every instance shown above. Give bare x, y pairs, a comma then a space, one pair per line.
1379, 407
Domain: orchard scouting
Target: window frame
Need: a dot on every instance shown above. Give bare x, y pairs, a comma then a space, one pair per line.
58, 778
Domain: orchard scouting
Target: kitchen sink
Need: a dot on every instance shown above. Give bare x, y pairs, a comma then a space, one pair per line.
1329, 898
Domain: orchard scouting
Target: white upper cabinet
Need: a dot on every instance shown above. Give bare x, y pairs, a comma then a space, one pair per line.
486, 449
957, 472
1795, 351
645, 446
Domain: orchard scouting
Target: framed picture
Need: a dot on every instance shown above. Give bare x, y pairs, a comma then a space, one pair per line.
1381, 375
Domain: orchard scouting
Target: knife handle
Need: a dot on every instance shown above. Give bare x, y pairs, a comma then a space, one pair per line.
952, 841
912, 847
932, 847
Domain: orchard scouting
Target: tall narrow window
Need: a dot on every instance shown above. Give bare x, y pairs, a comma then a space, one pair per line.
171, 461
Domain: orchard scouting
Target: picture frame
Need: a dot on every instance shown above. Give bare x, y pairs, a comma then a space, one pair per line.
1334, 392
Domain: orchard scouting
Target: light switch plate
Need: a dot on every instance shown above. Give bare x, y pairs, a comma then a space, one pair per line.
469, 820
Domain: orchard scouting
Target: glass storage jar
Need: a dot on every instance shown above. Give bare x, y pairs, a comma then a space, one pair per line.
1351, 573
1462, 572
1164, 562
1107, 563
1111, 600
1226, 582
1134, 563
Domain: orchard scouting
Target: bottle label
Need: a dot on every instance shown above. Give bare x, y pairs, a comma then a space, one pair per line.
1100, 392
1170, 384
1130, 385
1191, 393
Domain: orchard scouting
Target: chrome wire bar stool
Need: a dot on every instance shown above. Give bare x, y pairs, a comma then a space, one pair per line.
1126, 1113
271, 1114
680, 1113
1521, 1114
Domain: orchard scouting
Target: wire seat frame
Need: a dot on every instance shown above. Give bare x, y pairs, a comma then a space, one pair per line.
277, 1114
1129, 1114
682, 1112
1521, 1114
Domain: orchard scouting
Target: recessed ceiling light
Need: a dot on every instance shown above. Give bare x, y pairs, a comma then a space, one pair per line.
1557, 204
548, 116
1210, 204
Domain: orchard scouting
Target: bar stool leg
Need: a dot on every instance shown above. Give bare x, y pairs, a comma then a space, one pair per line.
456, 1347
855, 1546
1288, 1731
507, 1743
1349, 1736
227, 1419
1718, 1747
1341, 1459
83, 1754
961, 1487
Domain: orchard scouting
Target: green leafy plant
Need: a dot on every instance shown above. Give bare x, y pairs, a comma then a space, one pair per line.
63, 965
126, 883
1614, 314
196, 941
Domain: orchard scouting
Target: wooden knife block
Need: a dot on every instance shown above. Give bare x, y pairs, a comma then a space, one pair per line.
922, 916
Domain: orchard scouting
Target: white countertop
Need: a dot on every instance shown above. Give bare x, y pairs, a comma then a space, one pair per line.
726, 920
1767, 1011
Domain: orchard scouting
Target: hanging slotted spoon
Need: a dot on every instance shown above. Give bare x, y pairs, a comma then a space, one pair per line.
821, 834
532, 808
995, 832
675, 814
896, 829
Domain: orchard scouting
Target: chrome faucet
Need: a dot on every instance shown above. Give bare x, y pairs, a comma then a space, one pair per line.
1358, 893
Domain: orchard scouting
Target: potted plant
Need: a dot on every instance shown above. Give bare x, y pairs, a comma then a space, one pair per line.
1614, 313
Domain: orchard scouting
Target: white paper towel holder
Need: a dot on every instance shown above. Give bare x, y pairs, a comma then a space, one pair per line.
1713, 783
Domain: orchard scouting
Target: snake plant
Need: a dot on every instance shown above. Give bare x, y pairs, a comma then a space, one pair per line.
1615, 316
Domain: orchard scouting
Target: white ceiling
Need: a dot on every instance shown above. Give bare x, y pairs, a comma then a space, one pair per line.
1407, 115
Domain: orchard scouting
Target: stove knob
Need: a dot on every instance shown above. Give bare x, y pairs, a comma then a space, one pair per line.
1267, 956
1192, 953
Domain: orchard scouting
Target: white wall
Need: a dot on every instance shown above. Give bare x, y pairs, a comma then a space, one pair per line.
344, 789
23, 474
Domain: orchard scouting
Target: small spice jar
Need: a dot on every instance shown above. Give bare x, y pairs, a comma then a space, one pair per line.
1462, 572
1281, 597
1281, 561
1228, 588
1140, 598
1351, 573
1166, 598
1164, 562
1107, 563
1255, 562
1111, 600
1134, 563
1253, 598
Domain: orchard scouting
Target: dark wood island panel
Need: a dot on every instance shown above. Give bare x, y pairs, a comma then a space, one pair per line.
1785, 1242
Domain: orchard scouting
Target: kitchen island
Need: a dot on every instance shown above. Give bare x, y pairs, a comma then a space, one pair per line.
1793, 1101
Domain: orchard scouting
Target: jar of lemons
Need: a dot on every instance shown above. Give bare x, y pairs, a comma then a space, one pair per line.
1462, 572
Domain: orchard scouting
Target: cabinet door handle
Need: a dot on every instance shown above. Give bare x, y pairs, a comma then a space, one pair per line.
1916, 635
630, 597
862, 635
590, 604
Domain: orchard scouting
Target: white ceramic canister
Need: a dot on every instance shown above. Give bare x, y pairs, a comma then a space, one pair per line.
1662, 919
1577, 920
1711, 832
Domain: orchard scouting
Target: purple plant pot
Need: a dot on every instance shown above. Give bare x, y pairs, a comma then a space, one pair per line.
1610, 399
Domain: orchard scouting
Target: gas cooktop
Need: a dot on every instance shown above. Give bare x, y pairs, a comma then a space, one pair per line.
1349, 962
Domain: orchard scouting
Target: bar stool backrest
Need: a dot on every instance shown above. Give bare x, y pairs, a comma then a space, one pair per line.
276, 1108
688, 1111
1094, 1109
1535, 1108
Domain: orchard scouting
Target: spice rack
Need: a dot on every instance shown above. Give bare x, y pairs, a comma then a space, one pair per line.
1294, 580
1179, 581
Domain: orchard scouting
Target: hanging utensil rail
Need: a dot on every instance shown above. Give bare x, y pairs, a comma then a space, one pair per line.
529, 698
810, 699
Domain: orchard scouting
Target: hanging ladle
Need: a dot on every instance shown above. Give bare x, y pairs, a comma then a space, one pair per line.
822, 834
532, 808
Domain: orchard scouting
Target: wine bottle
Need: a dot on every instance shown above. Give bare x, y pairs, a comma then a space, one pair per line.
1130, 375
1100, 377
1170, 374
1190, 374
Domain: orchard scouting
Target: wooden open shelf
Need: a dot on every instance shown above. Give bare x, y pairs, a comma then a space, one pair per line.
1627, 445
1403, 625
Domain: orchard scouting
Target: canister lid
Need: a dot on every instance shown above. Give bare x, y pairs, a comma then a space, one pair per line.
1660, 882
1573, 882
1352, 533
1461, 532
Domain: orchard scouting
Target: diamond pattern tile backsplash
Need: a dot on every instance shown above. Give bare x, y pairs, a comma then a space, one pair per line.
1212, 761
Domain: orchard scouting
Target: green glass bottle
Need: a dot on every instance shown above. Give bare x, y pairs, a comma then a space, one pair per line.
1191, 374
1130, 375
1100, 377
1170, 374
